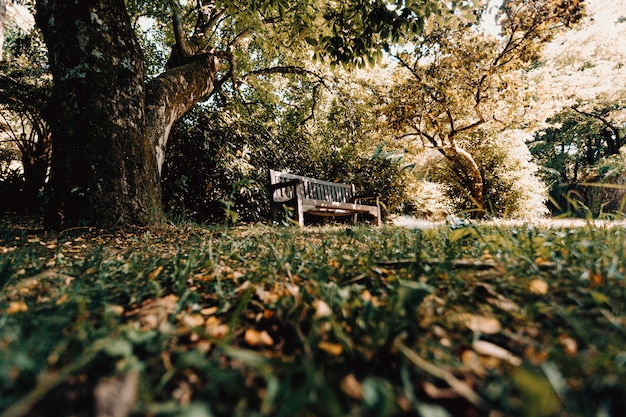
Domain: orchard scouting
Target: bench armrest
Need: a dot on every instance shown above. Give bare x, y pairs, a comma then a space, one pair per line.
366, 197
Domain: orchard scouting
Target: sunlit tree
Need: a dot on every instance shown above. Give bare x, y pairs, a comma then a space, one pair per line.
579, 101
455, 82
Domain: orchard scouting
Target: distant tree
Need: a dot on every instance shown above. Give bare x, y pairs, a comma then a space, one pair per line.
583, 69
579, 90
459, 81
25, 87
22, 124
574, 141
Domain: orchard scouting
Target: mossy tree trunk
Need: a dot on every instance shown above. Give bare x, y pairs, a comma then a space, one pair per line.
107, 125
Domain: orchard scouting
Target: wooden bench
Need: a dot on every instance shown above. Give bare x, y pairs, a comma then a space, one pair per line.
318, 198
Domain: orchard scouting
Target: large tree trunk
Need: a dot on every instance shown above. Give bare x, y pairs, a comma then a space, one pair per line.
103, 168
107, 128
35, 164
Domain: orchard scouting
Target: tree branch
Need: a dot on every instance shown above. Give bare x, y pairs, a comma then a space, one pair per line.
183, 46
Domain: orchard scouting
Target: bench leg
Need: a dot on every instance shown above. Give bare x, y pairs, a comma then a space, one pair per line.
300, 214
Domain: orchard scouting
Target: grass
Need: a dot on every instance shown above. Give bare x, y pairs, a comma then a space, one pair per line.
466, 320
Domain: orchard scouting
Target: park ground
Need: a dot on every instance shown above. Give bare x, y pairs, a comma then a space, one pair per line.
436, 319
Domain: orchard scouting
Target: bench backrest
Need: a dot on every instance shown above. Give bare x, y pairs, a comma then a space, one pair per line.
313, 189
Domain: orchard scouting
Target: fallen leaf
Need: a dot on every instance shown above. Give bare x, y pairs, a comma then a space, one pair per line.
116, 396
62, 299
334, 349
569, 344
482, 347
17, 307
209, 311
193, 320
215, 328
481, 324
155, 272
496, 299
153, 313
183, 393
258, 338
472, 361
538, 286
321, 309
352, 387
115, 309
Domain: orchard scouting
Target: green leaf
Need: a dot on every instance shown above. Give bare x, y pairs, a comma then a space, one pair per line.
119, 347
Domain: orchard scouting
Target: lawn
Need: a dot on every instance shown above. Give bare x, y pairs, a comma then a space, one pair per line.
256, 320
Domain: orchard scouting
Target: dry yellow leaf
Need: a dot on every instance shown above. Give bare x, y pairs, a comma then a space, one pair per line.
17, 307
570, 346
209, 311
62, 299
258, 338
596, 279
115, 309
472, 361
155, 272
482, 347
352, 387
193, 320
538, 286
481, 324
334, 349
215, 328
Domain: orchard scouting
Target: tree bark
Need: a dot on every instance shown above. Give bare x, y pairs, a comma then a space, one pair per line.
108, 127
469, 174
35, 163
172, 94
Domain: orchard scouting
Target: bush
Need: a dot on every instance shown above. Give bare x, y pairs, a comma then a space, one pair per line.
512, 188
11, 181
603, 191
213, 174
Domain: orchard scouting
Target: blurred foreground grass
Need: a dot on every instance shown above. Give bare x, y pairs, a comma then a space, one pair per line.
459, 320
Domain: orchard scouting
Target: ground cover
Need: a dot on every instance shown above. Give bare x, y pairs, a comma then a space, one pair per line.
458, 320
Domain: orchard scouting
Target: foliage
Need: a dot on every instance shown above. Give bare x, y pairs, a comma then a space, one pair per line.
583, 67
579, 106
578, 148
11, 180
322, 127
458, 80
462, 319
603, 189
24, 90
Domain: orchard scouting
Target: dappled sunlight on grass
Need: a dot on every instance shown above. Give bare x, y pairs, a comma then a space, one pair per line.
460, 319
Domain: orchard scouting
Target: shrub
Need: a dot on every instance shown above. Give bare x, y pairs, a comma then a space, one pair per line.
11, 180
603, 190
512, 188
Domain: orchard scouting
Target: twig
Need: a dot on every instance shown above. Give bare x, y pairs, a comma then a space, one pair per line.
463, 389
458, 263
